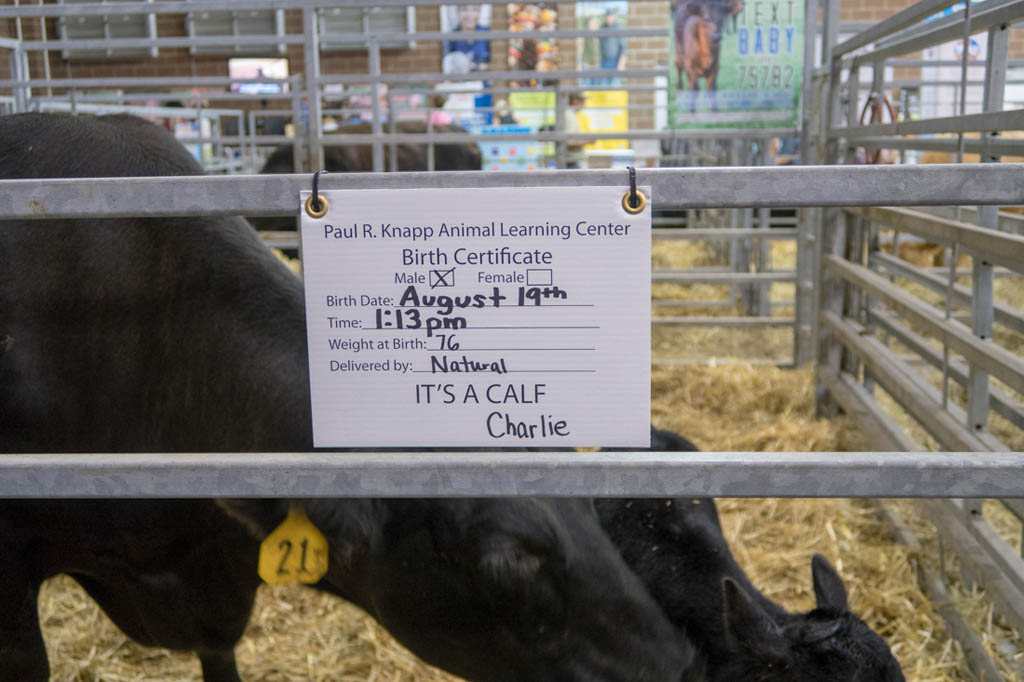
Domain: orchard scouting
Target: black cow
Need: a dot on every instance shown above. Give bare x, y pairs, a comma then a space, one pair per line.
411, 157
188, 335
359, 159
677, 548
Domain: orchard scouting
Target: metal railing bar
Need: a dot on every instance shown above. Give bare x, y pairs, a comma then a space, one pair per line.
948, 520
669, 303
716, 234
988, 121
724, 322
180, 7
1008, 222
728, 277
996, 247
897, 379
134, 81
983, 354
355, 38
934, 586
672, 188
992, 13
861, 405
986, 146
1003, 403
898, 21
430, 77
1004, 314
561, 474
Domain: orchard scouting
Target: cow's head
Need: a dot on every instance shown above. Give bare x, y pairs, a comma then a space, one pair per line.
496, 590
828, 643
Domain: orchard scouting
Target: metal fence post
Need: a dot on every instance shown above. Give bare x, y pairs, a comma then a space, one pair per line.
314, 97
378, 129
808, 219
981, 271
832, 231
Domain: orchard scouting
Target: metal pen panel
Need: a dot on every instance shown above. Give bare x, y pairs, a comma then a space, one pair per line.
489, 474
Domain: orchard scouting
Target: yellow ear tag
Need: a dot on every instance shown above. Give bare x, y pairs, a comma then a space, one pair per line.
295, 552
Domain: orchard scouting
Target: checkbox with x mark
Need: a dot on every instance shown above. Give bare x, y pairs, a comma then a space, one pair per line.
442, 278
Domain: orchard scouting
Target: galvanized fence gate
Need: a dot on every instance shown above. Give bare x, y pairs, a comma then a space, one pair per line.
852, 313
935, 341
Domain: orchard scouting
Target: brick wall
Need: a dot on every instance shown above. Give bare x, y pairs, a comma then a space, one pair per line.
644, 53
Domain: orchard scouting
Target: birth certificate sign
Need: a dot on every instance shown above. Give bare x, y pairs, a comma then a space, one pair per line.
507, 317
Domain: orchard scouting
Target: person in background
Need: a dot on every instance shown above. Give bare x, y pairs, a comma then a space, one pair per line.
504, 114
438, 116
590, 58
613, 48
575, 156
477, 52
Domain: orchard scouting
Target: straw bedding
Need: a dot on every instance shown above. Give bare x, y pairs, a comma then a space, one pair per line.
296, 634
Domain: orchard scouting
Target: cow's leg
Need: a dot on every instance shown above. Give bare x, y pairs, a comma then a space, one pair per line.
176, 612
219, 665
695, 89
22, 650
713, 88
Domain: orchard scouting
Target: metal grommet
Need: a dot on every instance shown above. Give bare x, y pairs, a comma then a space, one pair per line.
641, 202
323, 207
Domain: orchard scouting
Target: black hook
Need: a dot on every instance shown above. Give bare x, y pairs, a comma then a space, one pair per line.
316, 192
634, 200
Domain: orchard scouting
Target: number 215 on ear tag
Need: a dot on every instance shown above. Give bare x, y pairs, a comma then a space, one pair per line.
295, 552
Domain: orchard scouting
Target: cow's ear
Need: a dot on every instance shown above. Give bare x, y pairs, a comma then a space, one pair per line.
258, 516
828, 586
748, 627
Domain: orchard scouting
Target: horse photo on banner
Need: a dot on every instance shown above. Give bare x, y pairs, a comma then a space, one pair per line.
735, 63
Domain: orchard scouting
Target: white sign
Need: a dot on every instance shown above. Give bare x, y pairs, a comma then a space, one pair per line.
509, 317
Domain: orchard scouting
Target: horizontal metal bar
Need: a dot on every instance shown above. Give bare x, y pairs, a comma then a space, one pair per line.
1004, 314
993, 246
983, 17
878, 426
180, 7
942, 601
724, 322
988, 121
183, 41
986, 355
950, 522
137, 109
689, 277
898, 21
354, 38
710, 234
208, 96
1002, 403
456, 138
361, 79
138, 82
1008, 222
986, 146
672, 188
898, 380
945, 62
453, 474
670, 303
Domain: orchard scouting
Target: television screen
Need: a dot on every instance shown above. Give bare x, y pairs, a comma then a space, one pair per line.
258, 67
